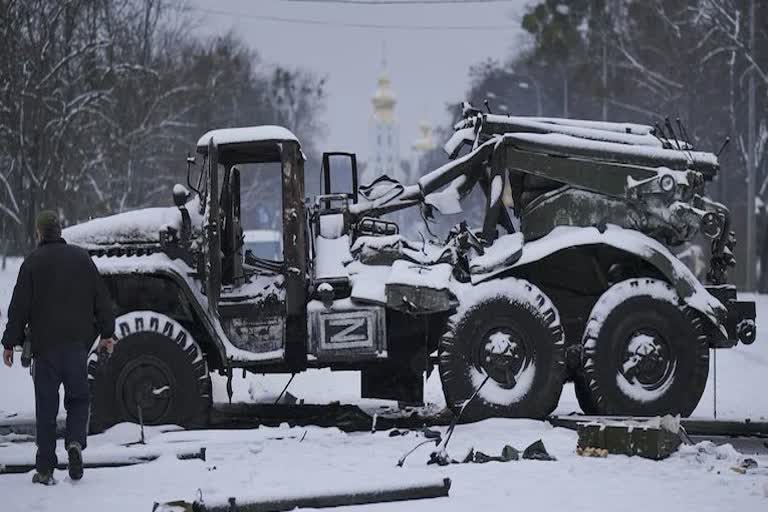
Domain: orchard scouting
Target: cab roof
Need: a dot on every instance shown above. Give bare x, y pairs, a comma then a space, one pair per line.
249, 144
264, 133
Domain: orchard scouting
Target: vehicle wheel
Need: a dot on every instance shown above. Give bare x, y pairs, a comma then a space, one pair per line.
156, 371
510, 332
644, 354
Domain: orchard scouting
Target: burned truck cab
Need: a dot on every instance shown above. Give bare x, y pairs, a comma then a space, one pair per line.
261, 303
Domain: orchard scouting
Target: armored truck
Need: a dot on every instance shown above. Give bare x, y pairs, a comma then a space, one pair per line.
570, 277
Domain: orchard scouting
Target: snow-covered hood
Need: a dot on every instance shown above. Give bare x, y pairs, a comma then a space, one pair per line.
130, 227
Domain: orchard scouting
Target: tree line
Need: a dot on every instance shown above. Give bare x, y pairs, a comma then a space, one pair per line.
101, 99
644, 61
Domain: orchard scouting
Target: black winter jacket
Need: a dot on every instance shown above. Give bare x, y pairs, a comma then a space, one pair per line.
60, 295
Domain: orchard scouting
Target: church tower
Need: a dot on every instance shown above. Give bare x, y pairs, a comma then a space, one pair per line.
384, 142
423, 145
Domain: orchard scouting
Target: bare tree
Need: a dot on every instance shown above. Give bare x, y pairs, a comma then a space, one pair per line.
100, 100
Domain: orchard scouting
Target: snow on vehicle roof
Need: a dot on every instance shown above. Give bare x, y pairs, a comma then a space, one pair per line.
132, 226
247, 134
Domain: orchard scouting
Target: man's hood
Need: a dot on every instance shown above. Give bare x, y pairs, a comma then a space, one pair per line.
135, 226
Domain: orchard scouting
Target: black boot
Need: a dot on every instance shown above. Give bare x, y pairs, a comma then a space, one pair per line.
44, 478
75, 454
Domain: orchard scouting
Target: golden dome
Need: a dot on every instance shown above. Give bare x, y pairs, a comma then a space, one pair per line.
424, 142
384, 100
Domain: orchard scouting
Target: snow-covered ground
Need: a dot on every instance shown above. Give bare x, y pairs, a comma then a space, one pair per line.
256, 462
279, 461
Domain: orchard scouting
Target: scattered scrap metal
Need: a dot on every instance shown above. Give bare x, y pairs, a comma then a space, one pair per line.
440, 457
435, 488
535, 451
122, 458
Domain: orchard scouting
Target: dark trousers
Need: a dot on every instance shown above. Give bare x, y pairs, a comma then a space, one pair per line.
67, 366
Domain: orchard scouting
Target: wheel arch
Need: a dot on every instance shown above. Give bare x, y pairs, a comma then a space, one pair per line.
167, 292
634, 244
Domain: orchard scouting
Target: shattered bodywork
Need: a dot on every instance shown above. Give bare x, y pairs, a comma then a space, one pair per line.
572, 208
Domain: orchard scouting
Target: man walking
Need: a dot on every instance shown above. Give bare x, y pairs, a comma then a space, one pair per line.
61, 297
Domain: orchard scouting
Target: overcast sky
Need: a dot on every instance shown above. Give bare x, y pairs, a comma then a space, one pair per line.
428, 68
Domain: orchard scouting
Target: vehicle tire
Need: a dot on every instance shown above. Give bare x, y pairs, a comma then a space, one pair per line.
507, 330
644, 352
156, 365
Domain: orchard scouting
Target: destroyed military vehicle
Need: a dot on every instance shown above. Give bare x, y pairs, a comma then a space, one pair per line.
570, 277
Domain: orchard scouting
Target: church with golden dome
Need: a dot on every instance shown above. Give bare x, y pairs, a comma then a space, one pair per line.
384, 133
385, 156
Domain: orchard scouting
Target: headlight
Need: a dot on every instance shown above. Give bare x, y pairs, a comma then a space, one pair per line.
711, 225
667, 183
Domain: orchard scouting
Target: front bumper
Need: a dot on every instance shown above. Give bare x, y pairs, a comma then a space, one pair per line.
740, 322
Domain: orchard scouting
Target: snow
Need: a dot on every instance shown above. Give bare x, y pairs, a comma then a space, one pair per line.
630, 128
447, 201
261, 235
331, 256
621, 292
458, 138
179, 189
311, 489
278, 461
381, 187
133, 226
271, 462
373, 249
504, 252
580, 131
613, 148
636, 129
669, 423
130, 264
366, 247
332, 226
247, 134
427, 183
369, 282
437, 277
497, 187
